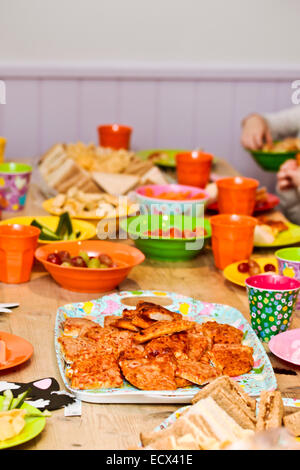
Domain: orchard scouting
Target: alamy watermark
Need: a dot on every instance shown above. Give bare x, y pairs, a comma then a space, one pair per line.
2, 92
296, 94
173, 221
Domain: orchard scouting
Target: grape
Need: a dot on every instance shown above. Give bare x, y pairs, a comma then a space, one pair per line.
243, 267
106, 259
78, 262
269, 267
66, 263
94, 263
64, 256
54, 258
84, 256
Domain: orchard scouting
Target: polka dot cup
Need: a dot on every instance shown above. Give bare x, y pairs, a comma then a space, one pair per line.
272, 300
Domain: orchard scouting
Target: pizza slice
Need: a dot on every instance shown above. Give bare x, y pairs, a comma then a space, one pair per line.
150, 374
233, 359
75, 326
176, 343
196, 372
156, 312
73, 347
95, 371
222, 333
161, 328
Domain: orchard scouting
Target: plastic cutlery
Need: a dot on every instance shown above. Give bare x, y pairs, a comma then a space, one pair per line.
4, 310
9, 305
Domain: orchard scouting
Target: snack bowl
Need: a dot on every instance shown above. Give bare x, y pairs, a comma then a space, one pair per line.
86, 229
161, 236
91, 280
271, 161
159, 203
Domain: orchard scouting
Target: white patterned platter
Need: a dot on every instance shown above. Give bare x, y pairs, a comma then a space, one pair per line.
261, 377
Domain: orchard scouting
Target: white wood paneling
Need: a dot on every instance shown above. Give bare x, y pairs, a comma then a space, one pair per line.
20, 117
59, 112
168, 105
138, 107
98, 104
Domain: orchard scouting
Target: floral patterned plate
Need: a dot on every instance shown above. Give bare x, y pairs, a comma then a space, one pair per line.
261, 377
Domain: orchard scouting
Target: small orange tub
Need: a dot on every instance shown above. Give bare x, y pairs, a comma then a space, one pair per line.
193, 168
232, 238
17, 247
237, 195
114, 136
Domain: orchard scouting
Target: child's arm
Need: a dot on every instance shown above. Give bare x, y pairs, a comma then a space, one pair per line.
288, 189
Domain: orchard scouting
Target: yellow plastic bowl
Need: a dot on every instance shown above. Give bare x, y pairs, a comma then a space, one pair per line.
87, 229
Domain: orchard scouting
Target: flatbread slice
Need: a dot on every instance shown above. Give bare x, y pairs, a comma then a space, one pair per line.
161, 328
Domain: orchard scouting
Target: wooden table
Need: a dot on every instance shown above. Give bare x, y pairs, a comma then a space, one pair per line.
113, 426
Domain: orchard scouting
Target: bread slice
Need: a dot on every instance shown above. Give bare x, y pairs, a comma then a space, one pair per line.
65, 171
52, 159
233, 390
116, 184
292, 423
153, 176
218, 421
270, 412
200, 434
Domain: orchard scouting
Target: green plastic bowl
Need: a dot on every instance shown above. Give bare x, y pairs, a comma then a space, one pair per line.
271, 161
165, 248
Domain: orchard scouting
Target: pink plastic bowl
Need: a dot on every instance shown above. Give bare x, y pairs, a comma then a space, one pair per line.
172, 188
272, 282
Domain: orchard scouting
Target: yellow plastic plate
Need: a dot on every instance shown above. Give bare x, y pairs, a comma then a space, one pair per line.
232, 274
48, 203
33, 427
86, 229
285, 238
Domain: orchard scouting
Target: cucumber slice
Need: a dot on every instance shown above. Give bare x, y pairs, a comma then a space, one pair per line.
8, 399
18, 402
64, 225
46, 232
48, 235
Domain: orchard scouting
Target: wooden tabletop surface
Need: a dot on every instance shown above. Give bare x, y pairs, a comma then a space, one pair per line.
113, 426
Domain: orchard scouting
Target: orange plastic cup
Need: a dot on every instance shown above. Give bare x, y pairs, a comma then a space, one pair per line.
193, 168
237, 195
232, 238
17, 246
114, 136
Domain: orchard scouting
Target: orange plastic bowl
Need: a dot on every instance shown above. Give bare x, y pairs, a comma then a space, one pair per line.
86, 279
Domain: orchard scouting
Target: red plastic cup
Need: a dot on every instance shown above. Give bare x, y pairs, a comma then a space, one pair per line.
237, 195
232, 238
193, 168
114, 136
17, 246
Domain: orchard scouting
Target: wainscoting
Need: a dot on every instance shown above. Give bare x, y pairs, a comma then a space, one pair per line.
168, 105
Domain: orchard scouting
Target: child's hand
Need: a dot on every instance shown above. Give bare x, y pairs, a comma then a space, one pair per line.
294, 176
289, 175
255, 132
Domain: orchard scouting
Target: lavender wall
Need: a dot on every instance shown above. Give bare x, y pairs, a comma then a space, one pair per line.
167, 105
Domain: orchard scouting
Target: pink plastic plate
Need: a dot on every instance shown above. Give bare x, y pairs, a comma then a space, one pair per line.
287, 346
